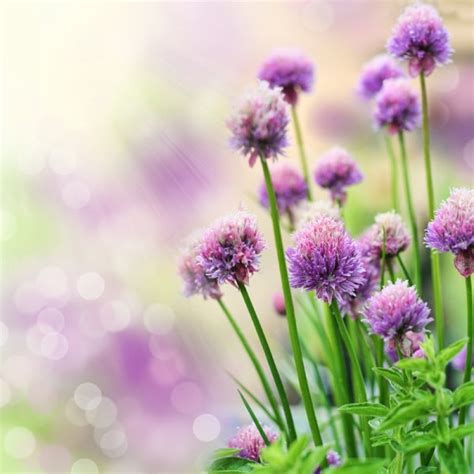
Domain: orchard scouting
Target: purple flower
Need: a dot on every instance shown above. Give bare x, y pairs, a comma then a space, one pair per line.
290, 70
325, 259
230, 249
375, 72
250, 442
459, 362
409, 346
452, 229
395, 310
192, 273
420, 37
397, 106
259, 123
332, 458
290, 188
388, 234
335, 171
279, 303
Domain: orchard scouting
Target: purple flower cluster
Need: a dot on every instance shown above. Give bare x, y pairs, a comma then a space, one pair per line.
290, 188
290, 70
335, 171
259, 123
192, 273
250, 442
388, 234
230, 249
420, 37
397, 106
375, 72
332, 458
395, 310
452, 229
325, 259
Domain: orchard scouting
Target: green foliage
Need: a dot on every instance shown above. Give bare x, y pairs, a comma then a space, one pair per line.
226, 461
451, 457
355, 466
364, 409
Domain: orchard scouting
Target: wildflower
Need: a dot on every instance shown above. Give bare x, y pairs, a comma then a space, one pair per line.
332, 458
459, 362
335, 171
290, 189
395, 310
192, 273
452, 229
388, 234
259, 123
375, 72
230, 249
250, 442
409, 346
397, 106
279, 303
325, 259
290, 70
421, 38
308, 210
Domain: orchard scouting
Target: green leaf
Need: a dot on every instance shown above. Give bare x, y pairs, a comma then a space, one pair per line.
296, 450
449, 352
314, 458
464, 394
408, 411
355, 466
451, 457
392, 375
427, 470
462, 431
230, 465
255, 419
416, 443
224, 453
414, 364
364, 409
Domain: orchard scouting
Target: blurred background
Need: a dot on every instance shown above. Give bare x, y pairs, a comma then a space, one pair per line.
114, 148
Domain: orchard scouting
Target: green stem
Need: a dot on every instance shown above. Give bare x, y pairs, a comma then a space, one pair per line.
299, 141
367, 352
390, 270
271, 362
404, 269
393, 171
379, 355
253, 358
359, 385
434, 257
470, 335
339, 382
254, 419
411, 210
290, 311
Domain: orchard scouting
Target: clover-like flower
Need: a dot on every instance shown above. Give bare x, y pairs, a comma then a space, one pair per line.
250, 441
452, 229
230, 249
325, 259
397, 106
259, 123
421, 38
290, 70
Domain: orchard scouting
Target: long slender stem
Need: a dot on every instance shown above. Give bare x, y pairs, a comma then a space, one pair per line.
271, 362
339, 382
411, 210
404, 269
253, 358
434, 257
359, 385
290, 311
299, 141
393, 171
470, 335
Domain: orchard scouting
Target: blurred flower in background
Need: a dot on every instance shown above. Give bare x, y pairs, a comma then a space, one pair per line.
114, 148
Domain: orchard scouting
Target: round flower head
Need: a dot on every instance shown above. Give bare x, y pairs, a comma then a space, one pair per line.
290, 188
335, 171
388, 234
259, 123
250, 442
279, 303
325, 259
395, 310
452, 229
332, 458
397, 106
459, 362
230, 249
308, 210
375, 72
420, 37
290, 70
192, 273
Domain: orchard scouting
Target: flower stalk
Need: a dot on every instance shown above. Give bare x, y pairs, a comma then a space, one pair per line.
301, 150
393, 172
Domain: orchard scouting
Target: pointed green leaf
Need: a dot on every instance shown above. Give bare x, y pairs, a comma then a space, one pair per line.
419, 365
255, 419
224, 453
364, 409
427, 470
355, 466
462, 431
451, 457
408, 411
464, 394
416, 443
230, 465
449, 352
392, 375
